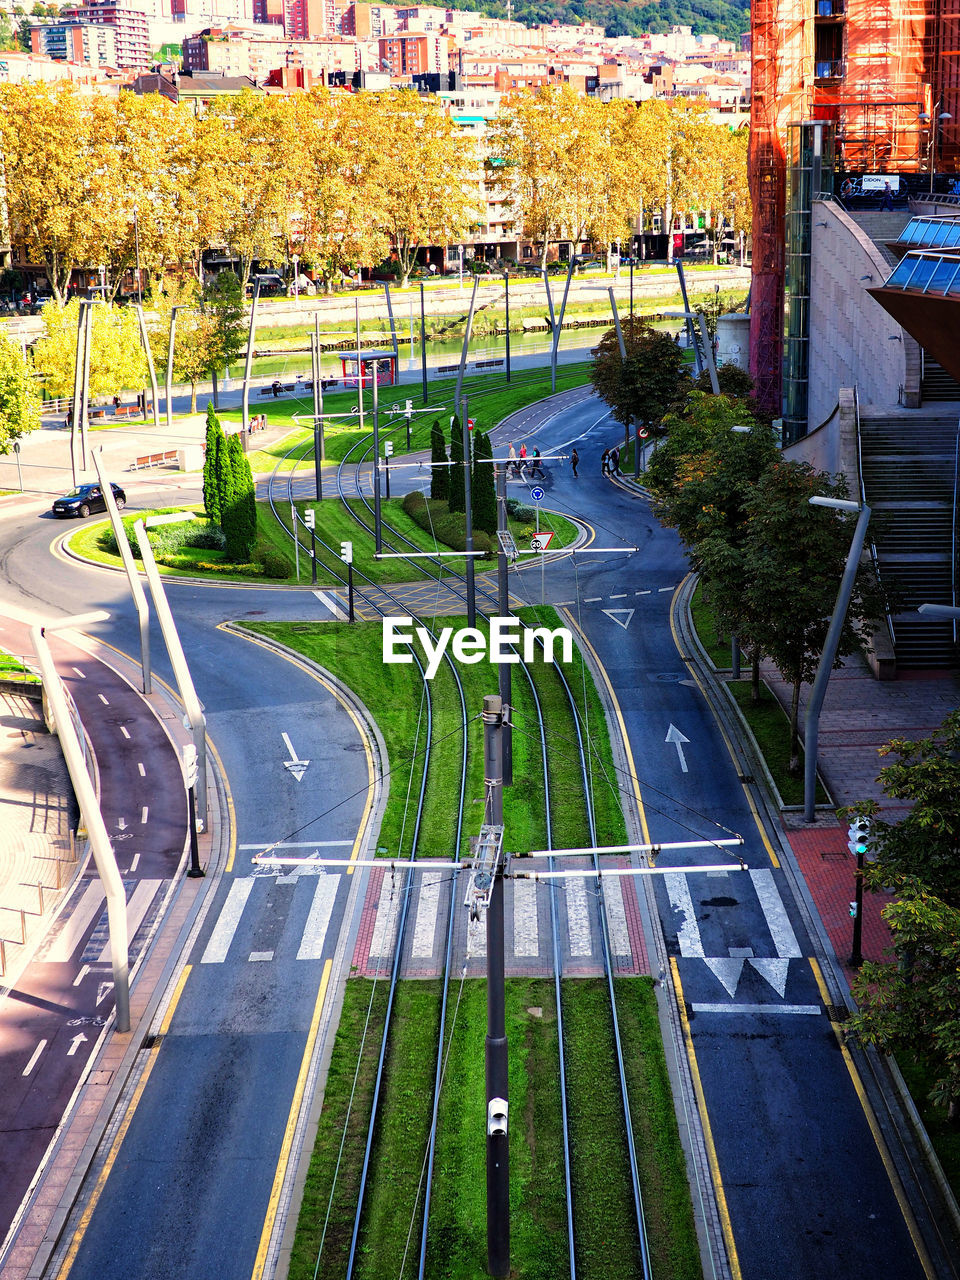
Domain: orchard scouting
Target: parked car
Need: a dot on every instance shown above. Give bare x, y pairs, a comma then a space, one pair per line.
85, 499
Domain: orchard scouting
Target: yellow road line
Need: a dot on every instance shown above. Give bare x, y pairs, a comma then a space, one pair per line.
358, 725
624, 736
115, 1146
725, 1223
771, 852
884, 1150
287, 1144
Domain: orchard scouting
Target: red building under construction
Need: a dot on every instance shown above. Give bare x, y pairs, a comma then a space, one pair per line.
882, 78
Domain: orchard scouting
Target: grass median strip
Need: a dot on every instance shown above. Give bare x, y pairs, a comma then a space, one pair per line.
389, 1241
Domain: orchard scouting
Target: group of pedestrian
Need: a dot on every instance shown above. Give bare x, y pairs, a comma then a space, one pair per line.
610, 462
518, 463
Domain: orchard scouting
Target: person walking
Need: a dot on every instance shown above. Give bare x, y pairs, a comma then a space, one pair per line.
604, 461
536, 465
615, 460
513, 460
574, 462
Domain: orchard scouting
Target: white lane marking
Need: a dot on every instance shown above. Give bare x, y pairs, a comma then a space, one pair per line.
226, 926
88, 908
134, 863
775, 914
621, 596
616, 615
425, 928
315, 931
137, 908
33, 1058
388, 909
677, 738
727, 970
578, 919
143, 814
617, 917
660, 590
592, 599
140, 766
75, 1044
79, 672
328, 602
125, 731
775, 972
643, 593
756, 1008
84, 970
104, 700
688, 931
296, 766
261, 955
476, 938
526, 933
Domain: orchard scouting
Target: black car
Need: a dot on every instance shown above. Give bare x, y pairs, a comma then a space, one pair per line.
86, 498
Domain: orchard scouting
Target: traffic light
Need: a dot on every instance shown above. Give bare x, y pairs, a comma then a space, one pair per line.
346, 552
854, 911
388, 448
857, 835
310, 518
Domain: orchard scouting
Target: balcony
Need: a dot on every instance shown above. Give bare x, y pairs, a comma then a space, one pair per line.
830, 9
828, 70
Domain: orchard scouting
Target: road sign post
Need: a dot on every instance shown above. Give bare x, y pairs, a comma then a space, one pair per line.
387, 453
310, 520
346, 555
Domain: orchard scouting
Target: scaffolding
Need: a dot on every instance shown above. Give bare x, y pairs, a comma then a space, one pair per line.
886, 75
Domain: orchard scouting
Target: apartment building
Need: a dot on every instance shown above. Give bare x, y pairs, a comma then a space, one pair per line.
130, 27
88, 44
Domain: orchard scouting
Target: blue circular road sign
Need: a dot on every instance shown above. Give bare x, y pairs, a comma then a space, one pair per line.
536, 493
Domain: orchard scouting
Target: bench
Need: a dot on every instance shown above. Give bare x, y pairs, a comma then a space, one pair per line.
284, 386
154, 460
125, 410
448, 368
98, 413
488, 364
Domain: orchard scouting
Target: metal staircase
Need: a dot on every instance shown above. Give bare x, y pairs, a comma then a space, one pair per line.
909, 475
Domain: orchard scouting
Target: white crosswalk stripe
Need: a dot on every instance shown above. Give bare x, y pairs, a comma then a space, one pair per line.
321, 909
66, 941
137, 907
617, 917
226, 926
526, 936
425, 929
578, 918
385, 928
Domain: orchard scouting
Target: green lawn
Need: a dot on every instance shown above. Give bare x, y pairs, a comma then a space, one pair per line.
11, 668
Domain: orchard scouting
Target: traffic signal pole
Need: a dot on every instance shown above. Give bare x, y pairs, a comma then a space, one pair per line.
468, 517
504, 669
496, 1061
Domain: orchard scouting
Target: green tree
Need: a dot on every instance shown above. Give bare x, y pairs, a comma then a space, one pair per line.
793, 559
19, 401
239, 518
456, 499
213, 465
484, 489
647, 382
440, 475
222, 300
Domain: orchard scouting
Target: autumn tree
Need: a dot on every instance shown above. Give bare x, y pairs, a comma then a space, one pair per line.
117, 358
19, 401
60, 175
425, 171
222, 303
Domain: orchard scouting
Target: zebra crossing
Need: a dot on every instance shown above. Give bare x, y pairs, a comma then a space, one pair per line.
143, 902
310, 911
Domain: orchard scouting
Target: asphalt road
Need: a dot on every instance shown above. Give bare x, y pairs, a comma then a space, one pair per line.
192, 1191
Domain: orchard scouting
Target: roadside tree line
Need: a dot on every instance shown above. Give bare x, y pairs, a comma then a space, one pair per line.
341, 180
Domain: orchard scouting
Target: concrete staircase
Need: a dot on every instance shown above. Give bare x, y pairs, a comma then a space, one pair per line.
881, 228
937, 384
908, 476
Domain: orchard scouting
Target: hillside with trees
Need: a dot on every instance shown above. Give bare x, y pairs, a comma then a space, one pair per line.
725, 18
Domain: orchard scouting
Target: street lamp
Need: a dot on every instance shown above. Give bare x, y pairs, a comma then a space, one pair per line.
296, 276
811, 726
934, 130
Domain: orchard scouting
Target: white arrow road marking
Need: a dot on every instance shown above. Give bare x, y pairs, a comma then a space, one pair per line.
75, 1044
774, 970
121, 824
728, 971
33, 1058
103, 990
296, 766
620, 620
675, 736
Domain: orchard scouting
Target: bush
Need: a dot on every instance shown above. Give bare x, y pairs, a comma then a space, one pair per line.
271, 561
210, 566
517, 511
446, 526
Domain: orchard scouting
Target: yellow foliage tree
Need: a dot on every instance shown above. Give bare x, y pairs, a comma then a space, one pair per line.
19, 401
117, 359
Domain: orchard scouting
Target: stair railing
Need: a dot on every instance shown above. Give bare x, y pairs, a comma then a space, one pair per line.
871, 544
